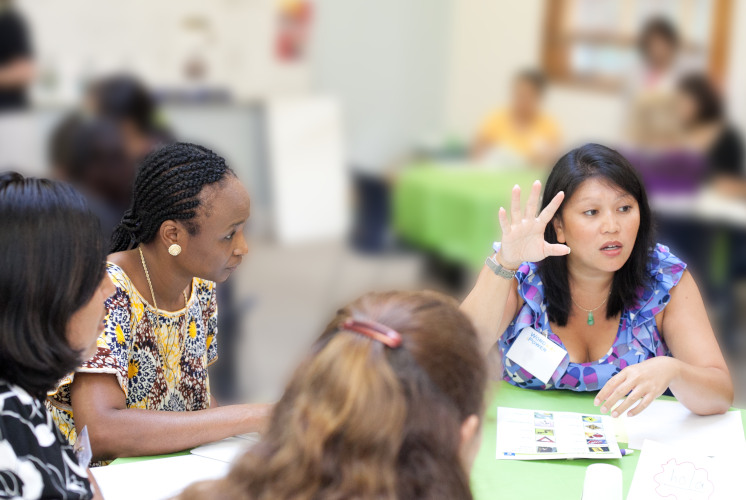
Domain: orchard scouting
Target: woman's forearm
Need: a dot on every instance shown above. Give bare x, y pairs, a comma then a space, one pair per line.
135, 432
485, 306
704, 390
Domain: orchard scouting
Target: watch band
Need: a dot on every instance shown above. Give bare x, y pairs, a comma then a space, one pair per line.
498, 269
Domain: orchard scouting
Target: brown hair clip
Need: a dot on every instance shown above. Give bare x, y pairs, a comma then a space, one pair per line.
375, 331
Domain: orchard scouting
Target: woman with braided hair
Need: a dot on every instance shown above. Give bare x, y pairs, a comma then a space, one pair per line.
146, 391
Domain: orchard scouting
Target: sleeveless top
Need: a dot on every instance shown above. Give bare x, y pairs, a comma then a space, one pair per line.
637, 339
138, 345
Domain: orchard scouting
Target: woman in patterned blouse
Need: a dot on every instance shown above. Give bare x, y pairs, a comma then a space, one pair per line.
52, 292
146, 391
625, 312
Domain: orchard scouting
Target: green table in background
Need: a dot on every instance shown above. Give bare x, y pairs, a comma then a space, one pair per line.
537, 479
452, 211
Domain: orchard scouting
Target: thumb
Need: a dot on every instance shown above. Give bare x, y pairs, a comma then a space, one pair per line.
555, 249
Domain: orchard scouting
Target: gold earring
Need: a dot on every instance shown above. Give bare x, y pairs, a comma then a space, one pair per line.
174, 249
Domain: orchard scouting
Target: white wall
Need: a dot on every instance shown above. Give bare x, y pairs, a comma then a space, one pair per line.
76, 40
384, 60
736, 82
490, 42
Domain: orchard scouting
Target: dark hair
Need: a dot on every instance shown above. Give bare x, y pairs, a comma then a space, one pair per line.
362, 420
533, 77
657, 27
52, 263
79, 144
167, 187
124, 97
580, 164
707, 98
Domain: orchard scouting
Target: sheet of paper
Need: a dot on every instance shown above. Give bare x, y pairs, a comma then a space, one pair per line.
665, 471
540, 435
228, 449
156, 479
671, 423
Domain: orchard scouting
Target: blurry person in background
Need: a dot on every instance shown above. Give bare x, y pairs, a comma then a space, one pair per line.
707, 131
388, 404
521, 134
16, 64
651, 123
661, 65
128, 102
90, 153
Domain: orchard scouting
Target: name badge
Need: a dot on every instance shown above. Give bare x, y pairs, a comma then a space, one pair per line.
82, 448
536, 354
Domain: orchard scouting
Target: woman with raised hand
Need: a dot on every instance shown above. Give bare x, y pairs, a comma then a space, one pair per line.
387, 405
619, 314
146, 391
52, 291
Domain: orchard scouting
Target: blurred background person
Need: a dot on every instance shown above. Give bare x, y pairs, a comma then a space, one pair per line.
521, 132
90, 153
16, 59
129, 103
708, 131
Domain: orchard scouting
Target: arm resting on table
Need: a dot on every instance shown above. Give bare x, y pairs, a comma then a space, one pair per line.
118, 431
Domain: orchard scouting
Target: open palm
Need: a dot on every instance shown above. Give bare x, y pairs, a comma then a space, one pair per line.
523, 236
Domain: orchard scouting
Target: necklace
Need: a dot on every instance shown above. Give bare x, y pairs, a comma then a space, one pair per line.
170, 339
590, 311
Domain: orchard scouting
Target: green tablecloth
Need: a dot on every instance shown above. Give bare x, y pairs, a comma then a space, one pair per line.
524, 480
540, 479
452, 211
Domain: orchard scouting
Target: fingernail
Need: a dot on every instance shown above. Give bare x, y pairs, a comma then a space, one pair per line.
603, 409
614, 414
596, 402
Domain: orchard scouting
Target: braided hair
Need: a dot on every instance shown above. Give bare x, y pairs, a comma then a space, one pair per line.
167, 187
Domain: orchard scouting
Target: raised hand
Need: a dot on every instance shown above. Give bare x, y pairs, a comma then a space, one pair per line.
523, 236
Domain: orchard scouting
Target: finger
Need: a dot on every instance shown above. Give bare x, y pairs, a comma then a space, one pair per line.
644, 403
621, 391
502, 215
555, 249
609, 387
515, 205
630, 400
533, 200
548, 213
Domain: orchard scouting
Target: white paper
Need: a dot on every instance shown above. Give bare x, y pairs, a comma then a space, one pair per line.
602, 482
226, 450
671, 423
665, 471
540, 435
156, 479
536, 354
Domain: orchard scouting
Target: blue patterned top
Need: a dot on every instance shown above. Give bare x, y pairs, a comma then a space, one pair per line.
637, 339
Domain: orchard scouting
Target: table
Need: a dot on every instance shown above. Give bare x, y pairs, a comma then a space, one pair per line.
540, 479
452, 211
513, 479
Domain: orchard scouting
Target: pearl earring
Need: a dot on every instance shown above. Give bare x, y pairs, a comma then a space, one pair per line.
174, 249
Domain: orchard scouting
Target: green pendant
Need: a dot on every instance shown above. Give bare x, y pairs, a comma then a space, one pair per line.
590, 317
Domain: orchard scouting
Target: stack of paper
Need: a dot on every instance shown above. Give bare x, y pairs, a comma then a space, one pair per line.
539, 435
671, 423
678, 474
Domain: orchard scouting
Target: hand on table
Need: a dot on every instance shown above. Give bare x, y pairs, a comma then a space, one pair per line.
523, 236
642, 382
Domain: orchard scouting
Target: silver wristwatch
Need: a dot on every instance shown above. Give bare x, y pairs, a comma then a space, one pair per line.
498, 269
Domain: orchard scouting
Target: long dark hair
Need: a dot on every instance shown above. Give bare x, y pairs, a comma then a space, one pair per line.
361, 420
52, 263
580, 164
167, 187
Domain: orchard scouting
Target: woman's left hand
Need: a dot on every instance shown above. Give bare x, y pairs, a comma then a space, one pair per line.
641, 383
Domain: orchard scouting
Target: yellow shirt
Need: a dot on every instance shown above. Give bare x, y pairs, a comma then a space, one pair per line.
500, 130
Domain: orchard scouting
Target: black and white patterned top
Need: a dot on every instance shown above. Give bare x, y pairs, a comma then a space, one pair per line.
35, 460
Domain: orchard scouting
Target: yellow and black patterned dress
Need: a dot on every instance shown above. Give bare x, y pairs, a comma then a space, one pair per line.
159, 358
